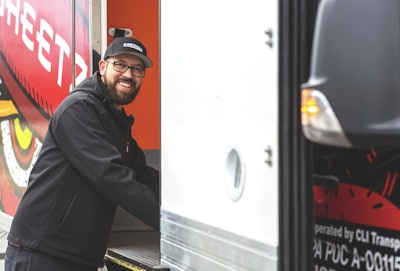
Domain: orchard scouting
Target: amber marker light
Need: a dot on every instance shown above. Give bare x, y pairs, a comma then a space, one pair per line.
309, 106
319, 121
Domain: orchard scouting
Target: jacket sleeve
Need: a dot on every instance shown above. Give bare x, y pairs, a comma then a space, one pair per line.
146, 174
81, 132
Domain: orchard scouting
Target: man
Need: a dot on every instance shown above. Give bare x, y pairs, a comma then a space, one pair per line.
88, 164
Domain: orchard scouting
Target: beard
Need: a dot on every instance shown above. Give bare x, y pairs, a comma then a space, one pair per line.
120, 97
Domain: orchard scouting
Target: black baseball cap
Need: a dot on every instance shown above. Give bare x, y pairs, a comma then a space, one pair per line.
128, 45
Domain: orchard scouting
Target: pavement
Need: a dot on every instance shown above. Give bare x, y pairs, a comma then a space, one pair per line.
3, 246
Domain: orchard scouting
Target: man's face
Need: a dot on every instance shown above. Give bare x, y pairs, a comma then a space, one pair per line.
121, 87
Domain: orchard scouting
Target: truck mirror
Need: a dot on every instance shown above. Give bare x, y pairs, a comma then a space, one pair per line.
352, 97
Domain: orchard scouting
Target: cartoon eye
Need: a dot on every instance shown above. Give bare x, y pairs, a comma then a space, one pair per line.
20, 149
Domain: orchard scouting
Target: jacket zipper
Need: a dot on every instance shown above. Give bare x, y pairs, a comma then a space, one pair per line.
127, 152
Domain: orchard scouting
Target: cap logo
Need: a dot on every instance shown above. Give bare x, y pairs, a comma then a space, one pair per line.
133, 46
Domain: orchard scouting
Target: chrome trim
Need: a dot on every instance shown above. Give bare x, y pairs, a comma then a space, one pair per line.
187, 244
73, 41
95, 33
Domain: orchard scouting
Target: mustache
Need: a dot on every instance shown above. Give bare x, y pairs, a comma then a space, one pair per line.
127, 80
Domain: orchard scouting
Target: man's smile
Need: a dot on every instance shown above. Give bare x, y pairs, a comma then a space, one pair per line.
126, 84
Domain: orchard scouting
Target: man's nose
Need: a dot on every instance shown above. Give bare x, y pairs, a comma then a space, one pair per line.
128, 72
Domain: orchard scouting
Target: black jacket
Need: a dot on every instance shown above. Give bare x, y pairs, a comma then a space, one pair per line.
88, 165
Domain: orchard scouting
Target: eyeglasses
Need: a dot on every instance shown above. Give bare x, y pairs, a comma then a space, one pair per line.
121, 67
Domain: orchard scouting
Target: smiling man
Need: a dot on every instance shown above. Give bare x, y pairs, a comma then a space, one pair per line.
88, 164
127, 57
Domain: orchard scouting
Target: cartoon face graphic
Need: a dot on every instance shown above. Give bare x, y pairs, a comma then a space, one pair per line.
35, 76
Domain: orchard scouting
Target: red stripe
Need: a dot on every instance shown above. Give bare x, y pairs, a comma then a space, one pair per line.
394, 180
386, 183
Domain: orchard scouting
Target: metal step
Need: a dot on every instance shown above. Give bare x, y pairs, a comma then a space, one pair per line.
135, 250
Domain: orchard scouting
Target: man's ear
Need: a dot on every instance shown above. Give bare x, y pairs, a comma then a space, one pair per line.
102, 66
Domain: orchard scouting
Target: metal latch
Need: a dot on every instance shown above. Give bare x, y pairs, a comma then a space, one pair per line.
119, 32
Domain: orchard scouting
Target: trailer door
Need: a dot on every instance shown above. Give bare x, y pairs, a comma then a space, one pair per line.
219, 139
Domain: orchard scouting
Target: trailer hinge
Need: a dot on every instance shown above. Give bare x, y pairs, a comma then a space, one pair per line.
270, 36
268, 160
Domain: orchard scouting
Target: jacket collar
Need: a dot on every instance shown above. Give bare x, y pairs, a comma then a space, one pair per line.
95, 86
